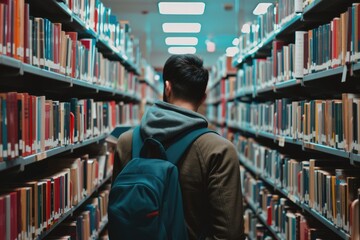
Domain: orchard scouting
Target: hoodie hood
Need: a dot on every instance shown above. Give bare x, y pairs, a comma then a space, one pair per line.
164, 121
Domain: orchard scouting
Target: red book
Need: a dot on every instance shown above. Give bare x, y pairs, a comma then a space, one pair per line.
27, 33
336, 48
14, 230
96, 19
57, 44
2, 218
26, 139
2, 26
357, 7
269, 216
12, 122
277, 46
72, 128
73, 36
9, 25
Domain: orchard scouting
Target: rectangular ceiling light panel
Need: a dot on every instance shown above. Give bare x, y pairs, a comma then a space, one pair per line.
261, 8
182, 50
182, 8
181, 27
190, 41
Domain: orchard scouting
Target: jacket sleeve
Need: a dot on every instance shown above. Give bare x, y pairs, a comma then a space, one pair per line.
224, 194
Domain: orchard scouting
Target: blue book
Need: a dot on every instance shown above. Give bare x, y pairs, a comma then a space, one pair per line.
92, 210
116, 132
73, 107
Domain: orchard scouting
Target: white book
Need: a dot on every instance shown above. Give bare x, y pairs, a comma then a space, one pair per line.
299, 54
298, 6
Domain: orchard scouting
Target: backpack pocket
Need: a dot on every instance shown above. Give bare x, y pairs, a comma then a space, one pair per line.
136, 207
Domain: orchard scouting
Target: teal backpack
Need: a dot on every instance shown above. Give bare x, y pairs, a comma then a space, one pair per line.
145, 200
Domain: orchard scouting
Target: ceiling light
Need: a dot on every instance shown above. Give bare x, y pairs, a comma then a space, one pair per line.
246, 28
181, 41
181, 27
261, 8
210, 46
232, 51
182, 8
236, 41
182, 50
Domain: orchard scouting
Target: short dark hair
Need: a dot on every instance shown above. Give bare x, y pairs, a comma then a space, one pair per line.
187, 76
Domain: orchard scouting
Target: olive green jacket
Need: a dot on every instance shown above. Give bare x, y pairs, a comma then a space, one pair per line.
210, 183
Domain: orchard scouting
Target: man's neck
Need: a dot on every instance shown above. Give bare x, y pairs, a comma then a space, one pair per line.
185, 105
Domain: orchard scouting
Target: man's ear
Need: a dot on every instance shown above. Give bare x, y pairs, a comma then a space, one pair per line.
168, 88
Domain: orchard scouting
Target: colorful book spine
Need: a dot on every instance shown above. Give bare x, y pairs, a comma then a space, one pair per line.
31, 124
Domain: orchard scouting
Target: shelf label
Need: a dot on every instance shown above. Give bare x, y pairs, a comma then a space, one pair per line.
22, 166
343, 78
41, 156
282, 141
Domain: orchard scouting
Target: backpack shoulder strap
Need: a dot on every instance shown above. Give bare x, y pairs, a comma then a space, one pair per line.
137, 142
176, 150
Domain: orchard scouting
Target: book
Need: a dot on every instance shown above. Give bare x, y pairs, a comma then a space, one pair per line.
116, 132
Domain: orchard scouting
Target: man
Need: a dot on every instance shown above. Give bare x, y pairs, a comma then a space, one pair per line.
209, 170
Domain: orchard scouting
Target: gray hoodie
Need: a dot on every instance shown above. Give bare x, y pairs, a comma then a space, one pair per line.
164, 121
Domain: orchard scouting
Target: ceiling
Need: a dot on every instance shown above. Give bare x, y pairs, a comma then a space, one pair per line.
217, 25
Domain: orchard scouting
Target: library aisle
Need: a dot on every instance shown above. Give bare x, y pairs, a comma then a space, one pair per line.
284, 88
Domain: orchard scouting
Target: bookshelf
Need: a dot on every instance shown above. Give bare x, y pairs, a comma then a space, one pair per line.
59, 10
82, 72
38, 77
304, 207
21, 162
75, 208
262, 219
271, 95
303, 145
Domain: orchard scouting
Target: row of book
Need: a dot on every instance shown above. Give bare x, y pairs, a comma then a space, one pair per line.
222, 68
331, 45
149, 74
329, 186
254, 228
328, 46
96, 16
217, 92
332, 122
30, 206
43, 44
287, 221
33, 124
215, 113
147, 92
88, 222
266, 24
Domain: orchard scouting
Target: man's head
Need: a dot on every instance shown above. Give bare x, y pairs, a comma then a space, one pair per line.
185, 80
